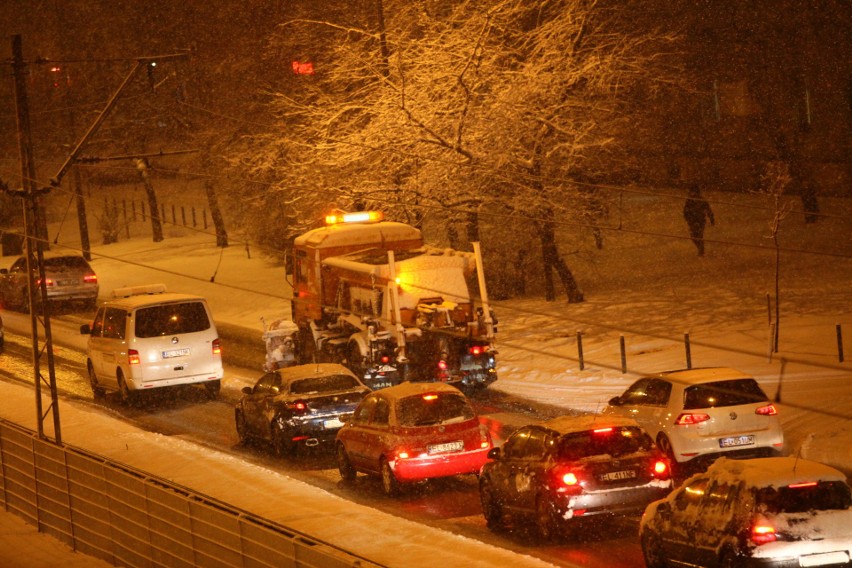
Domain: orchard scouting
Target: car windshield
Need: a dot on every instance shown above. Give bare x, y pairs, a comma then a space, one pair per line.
67, 263
171, 319
822, 496
723, 393
434, 408
329, 383
607, 441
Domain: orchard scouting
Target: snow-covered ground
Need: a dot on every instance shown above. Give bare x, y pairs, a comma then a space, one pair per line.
650, 290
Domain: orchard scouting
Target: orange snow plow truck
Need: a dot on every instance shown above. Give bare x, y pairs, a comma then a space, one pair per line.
369, 294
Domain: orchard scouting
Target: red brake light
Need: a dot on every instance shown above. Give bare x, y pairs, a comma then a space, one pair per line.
603, 431
477, 349
217, 347
442, 365
661, 469
299, 405
762, 534
803, 485
385, 359
133, 357
90, 278
567, 480
430, 397
689, 418
768, 410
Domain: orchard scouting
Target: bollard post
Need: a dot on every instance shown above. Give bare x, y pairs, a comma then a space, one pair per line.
183, 215
839, 344
688, 352
623, 355
580, 349
771, 343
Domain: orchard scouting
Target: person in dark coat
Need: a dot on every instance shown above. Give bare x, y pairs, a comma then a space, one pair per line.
697, 211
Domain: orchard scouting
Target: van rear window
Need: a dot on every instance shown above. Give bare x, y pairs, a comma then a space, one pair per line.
171, 319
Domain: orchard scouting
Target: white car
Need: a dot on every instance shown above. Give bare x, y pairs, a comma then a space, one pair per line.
769, 512
146, 339
697, 415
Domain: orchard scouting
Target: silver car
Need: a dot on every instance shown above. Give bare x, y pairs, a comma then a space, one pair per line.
697, 415
68, 277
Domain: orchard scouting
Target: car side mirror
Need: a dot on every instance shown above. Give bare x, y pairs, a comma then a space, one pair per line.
494, 454
247, 390
616, 401
85, 329
664, 510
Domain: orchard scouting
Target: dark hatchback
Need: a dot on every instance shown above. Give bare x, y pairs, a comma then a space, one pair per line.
572, 467
303, 405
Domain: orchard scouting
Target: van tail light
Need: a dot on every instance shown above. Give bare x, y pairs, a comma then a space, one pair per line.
768, 410
762, 532
90, 279
133, 357
217, 347
688, 418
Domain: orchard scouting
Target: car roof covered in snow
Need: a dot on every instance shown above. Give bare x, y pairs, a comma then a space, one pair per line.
702, 375
568, 424
407, 389
358, 234
309, 370
773, 472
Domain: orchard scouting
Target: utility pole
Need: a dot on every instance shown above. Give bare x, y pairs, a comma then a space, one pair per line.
36, 289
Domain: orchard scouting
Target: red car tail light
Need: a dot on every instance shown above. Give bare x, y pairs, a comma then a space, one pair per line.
762, 533
803, 485
217, 347
133, 357
688, 418
484, 437
661, 470
603, 431
477, 349
90, 279
385, 359
47, 282
568, 480
768, 410
430, 397
298, 406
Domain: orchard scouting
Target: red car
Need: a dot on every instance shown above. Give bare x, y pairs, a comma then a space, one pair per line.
412, 432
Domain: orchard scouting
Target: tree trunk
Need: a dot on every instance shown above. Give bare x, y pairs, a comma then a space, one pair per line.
552, 260
156, 223
216, 214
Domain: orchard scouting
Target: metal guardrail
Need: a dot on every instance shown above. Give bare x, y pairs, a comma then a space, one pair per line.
130, 518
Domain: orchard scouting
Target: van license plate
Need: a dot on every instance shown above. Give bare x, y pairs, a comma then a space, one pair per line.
175, 353
734, 441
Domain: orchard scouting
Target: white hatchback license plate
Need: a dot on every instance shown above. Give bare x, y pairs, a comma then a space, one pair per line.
456, 446
734, 441
617, 475
824, 558
175, 353
330, 424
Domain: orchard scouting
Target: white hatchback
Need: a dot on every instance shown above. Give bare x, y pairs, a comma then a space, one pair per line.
697, 415
147, 339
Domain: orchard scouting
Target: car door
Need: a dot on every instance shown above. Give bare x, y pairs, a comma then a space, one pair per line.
529, 475
678, 535
645, 401
256, 405
714, 521
354, 434
378, 437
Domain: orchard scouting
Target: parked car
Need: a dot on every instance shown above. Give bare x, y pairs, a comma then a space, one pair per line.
302, 405
146, 339
68, 277
697, 415
572, 467
412, 432
771, 512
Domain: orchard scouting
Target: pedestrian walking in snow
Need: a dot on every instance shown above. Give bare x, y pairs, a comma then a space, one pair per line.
697, 211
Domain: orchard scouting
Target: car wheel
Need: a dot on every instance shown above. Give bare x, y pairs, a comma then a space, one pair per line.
127, 396
344, 466
390, 485
213, 388
242, 428
281, 447
545, 520
665, 446
97, 390
651, 551
491, 508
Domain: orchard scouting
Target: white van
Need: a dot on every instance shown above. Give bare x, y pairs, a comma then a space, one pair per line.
146, 338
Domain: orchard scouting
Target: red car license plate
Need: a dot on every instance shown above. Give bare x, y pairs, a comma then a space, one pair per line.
456, 446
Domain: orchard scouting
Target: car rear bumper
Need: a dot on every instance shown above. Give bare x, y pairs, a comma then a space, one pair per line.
444, 465
623, 501
691, 445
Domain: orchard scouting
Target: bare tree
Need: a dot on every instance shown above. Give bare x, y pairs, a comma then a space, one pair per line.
472, 102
